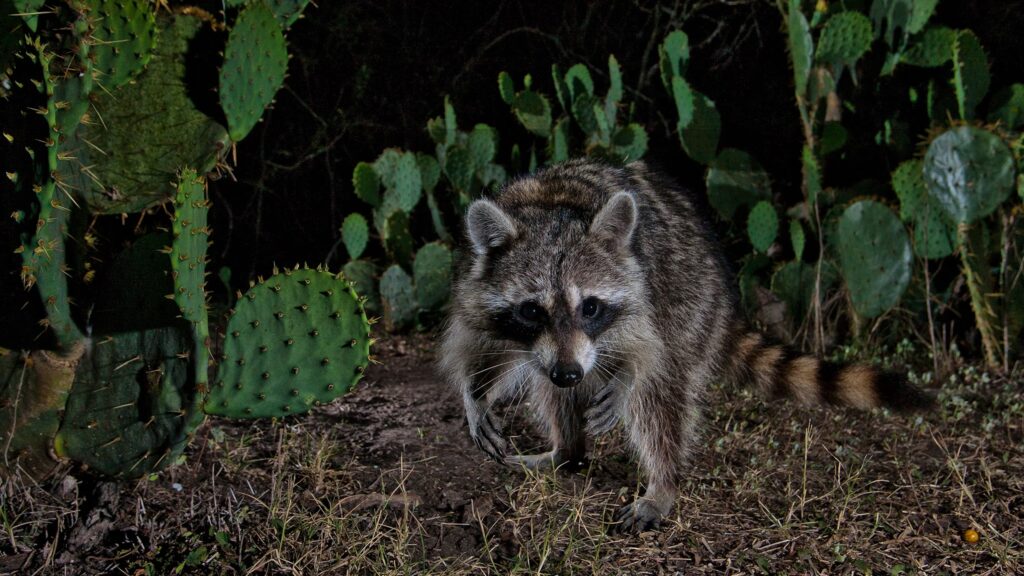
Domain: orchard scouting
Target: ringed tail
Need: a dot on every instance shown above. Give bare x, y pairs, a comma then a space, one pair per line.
780, 371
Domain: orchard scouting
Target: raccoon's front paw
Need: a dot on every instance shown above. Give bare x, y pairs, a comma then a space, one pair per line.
603, 413
487, 437
639, 516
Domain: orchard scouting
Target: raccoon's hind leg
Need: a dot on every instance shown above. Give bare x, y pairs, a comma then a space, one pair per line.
559, 412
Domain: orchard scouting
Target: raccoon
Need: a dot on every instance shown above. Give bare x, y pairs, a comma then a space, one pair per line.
602, 295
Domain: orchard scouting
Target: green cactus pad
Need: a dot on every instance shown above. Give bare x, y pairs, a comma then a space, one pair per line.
458, 166
35, 388
132, 407
398, 238
629, 142
558, 143
683, 97
933, 48
797, 239
366, 184
578, 82
363, 275
700, 137
506, 87
156, 109
287, 12
124, 38
398, 299
845, 38
614, 95
432, 275
970, 72
969, 172
874, 256
794, 284
403, 184
533, 111
561, 90
1007, 107
811, 174
482, 145
430, 170
188, 250
673, 55
355, 232
296, 339
934, 235
763, 226
736, 179
29, 10
586, 109
492, 175
255, 62
801, 45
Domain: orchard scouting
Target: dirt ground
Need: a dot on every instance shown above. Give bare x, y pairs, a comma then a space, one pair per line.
387, 481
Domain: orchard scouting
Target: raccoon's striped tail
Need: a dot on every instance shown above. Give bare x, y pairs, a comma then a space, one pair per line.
780, 371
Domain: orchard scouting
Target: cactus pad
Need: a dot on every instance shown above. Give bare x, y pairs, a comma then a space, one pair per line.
296, 339
132, 406
506, 88
1008, 107
933, 48
874, 256
700, 137
794, 284
934, 235
430, 170
366, 184
533, 111
255, 62
124, 39
362, 274
458, 166
682, 95
969, 172
673, 55
558, 143
355, 233
845, 38
801, 45
763, 226
188, 250
482, 145
432, 275
398, 238
629, 142
736, 179
398, 298
132, 176
970, 72
403, 184
797, 239
287, 12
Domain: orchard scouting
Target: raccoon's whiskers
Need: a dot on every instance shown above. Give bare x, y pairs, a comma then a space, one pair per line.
493, 366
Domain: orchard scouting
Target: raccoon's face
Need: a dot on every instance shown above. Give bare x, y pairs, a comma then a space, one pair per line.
555, 284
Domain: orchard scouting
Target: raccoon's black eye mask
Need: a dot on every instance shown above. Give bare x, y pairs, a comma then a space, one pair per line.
521, 322
596, 315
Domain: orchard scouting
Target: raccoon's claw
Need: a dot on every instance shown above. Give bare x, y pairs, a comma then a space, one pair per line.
639, 516
487, 438
602, 415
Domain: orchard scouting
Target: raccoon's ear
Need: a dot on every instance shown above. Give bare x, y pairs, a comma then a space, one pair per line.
616, 221
488, 226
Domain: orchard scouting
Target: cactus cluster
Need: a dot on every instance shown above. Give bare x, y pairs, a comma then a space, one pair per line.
125, 400
874, 255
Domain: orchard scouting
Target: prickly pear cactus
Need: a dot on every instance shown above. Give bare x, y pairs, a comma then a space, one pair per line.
874, 256
700, 137
933, 48
188, 265
970, 72
844, 39
934, 233
533, 111
673, 55
736, 179
255, 62
969, 172
398, 298
355, 233
366, 184
295, 340
35, 386
123, 39
133, 405
287, 12
130, 177
763, 226
432, 275
397, 238
794, 283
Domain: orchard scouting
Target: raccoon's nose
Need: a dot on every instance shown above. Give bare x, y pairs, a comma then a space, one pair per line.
566, 375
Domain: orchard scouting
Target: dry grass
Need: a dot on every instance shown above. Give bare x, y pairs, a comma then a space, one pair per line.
359, 489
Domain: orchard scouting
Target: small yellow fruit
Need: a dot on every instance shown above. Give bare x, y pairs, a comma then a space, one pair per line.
971, 536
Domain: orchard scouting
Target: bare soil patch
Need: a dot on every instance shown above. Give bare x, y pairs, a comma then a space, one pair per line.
387, 481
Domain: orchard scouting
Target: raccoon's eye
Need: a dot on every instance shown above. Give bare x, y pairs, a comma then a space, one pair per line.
591, 307
531, 311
